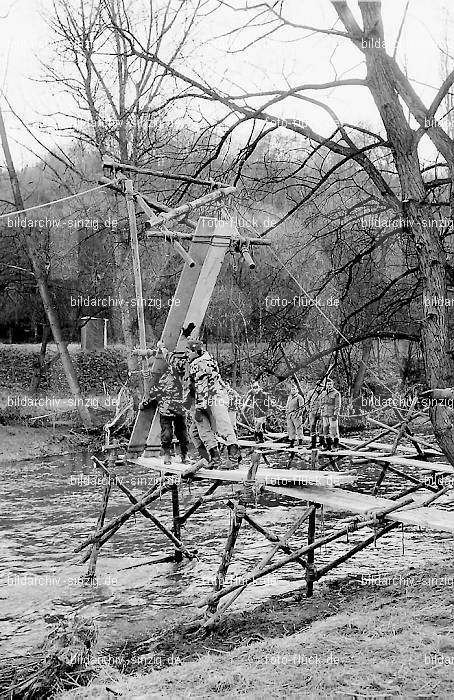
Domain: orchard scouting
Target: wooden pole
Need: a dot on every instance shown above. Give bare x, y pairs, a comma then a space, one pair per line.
310, 571
199, 501
235, 524
129, 192
185, 209
269, 535
415, 440
176, 521
96, 545
361, 545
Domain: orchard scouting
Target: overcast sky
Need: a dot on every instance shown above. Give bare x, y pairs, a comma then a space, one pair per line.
25, 39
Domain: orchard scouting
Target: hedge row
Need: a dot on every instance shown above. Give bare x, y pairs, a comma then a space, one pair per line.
97, 371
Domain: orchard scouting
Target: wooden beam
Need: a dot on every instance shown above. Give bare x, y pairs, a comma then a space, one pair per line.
172, 330
129, 189
185, 209
310, 573
176, 521
200, 297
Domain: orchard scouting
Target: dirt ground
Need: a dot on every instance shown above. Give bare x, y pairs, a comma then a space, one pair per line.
18, 442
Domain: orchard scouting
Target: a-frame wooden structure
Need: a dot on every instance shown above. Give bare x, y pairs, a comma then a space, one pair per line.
211, 240
209, 245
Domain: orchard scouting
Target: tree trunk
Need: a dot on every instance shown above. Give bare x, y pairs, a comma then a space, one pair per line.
360, 374
43, 288
419, 221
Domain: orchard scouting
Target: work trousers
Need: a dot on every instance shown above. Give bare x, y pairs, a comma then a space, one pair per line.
202, 434
169, 424
295, 426
314, 418
331, 426
218, 414
232, 416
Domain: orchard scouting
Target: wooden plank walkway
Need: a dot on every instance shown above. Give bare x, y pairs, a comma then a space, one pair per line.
264, 475
343, 500
372, 455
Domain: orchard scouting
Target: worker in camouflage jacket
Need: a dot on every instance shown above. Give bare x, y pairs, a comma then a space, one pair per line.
206, 394
168, 397
330, 404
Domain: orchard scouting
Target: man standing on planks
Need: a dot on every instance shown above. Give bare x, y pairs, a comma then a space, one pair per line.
209, 402
168, 398
260, 402
330, 403
294, 414
313, 407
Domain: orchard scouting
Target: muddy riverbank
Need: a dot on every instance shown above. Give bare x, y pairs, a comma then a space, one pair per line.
22, 442
356, 638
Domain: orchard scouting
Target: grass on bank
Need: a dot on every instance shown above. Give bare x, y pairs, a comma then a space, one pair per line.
395, 641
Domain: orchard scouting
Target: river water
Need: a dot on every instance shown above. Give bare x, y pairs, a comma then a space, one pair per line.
50, 505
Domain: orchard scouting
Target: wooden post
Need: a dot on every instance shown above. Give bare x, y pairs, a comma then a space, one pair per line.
91, 573
314, 459
235, 524
310, 572
176, 521
129, 191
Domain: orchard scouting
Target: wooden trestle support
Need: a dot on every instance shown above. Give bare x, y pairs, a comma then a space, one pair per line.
401, 509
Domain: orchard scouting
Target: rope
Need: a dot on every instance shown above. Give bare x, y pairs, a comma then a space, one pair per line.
54, 201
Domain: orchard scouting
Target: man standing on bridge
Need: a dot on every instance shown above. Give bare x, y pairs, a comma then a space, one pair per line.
330, 403
210, 397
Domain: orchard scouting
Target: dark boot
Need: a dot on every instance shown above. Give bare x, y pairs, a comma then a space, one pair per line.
313, 442
167, 456
215, 457
184, 455
234, 454
203, 452
321, 441
329, 443
300, 442
336, 444
291, 443
259, 437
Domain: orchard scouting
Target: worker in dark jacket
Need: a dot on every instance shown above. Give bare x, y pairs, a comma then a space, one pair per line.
168, 395
330, 403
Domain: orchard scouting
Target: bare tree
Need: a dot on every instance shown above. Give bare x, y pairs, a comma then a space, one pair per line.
408, 192
41, 282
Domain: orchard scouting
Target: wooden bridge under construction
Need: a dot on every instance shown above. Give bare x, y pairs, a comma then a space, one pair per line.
314, 480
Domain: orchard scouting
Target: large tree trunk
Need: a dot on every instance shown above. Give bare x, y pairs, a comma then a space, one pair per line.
419, 220
43, 288
366, 348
